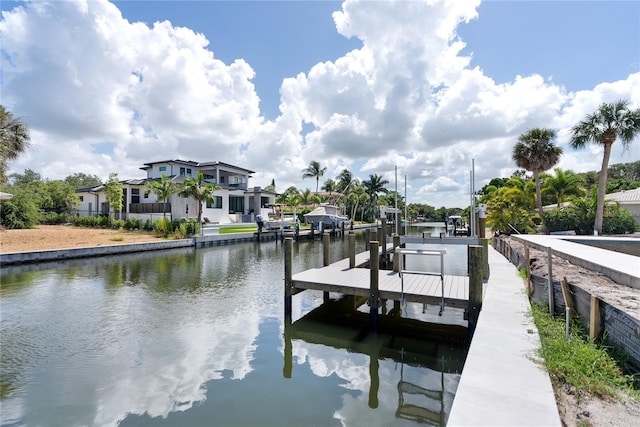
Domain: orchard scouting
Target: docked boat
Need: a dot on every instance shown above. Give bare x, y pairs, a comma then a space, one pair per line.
456, 225
278, 219
328, 215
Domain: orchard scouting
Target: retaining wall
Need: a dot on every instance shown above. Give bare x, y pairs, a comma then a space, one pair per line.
617, 326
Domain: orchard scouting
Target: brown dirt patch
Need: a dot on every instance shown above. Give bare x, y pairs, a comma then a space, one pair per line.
46, 237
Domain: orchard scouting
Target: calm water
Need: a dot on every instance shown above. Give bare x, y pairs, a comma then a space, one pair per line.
196, 338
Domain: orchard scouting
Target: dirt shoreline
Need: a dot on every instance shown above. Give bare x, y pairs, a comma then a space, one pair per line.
47, 237
575, 409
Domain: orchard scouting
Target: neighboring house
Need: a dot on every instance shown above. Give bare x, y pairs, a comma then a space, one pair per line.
628, 200
235, 202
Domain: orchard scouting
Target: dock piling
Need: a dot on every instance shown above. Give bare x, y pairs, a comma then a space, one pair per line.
326, 243
352, 249
396, 243
374, 292
288, 275
474, 261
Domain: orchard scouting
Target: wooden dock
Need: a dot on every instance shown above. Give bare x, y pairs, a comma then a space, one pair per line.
355, 281
360, 275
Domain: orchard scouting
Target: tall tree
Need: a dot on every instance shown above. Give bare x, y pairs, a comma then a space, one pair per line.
79, 180
200, 190
163, 189
14, 139
536, 152
314, 170
375, 185
113, 192
603, 127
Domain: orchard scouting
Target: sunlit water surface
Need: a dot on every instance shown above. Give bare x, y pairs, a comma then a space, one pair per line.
196, 338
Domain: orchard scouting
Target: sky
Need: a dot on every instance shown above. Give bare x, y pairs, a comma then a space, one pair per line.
425, 91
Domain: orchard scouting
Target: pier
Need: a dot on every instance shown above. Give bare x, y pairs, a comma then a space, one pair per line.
360, 275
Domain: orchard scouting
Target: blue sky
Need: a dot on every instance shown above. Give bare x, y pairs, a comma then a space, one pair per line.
377, 85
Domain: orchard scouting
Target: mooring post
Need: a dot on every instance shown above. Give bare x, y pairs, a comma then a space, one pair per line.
288, 277
550, 279
342, 229
367, 238
352, 249
396, 259
485, 258
326, 241
474, 261
383, 242
374, 293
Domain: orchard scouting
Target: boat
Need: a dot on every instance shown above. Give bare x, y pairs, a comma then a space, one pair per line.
278, 219
456, 225
327, 215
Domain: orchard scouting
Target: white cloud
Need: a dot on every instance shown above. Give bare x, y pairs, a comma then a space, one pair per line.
84, 78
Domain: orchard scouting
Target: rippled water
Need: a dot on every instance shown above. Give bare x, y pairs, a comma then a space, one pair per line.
196, 337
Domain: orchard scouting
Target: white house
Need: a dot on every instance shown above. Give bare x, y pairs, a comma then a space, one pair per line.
628, 200
235, 202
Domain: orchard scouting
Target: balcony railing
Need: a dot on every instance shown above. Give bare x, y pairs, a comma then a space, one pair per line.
148, 208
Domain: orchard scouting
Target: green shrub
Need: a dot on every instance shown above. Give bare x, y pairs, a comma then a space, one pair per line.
618, 221
163, 227
19, 212
133, 224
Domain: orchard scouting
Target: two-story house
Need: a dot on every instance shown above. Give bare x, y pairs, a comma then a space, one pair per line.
235, 202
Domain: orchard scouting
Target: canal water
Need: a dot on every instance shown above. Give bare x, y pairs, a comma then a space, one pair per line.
196, 337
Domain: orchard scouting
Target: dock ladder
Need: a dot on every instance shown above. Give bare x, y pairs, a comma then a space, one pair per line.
427, 252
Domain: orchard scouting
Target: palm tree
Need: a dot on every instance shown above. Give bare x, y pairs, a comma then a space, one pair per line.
608, 123
163, 189
374, 185
199, 190
563, 184
536, 152
14, 139
314, 171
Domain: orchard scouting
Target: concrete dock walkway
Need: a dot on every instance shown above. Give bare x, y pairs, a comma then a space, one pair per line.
501, 385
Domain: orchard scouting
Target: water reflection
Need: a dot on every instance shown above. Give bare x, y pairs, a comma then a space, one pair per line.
192, 337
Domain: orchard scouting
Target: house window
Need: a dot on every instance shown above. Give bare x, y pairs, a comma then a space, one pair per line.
82, 198
135, 195
236, 204
162, 168
188, 171
182, 171
216, 203
146, 194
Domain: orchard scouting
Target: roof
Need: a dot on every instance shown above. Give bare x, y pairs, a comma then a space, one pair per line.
626, 196
196, 164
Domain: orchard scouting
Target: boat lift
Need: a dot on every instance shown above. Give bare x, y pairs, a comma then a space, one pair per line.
427, 252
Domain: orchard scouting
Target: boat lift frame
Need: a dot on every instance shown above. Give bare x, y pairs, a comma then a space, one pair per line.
427, 252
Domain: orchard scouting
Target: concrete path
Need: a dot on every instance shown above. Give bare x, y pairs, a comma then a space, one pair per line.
619, 267
500, 384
